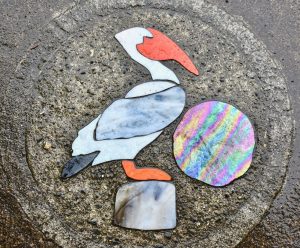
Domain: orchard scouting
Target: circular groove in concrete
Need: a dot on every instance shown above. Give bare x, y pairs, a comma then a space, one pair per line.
234, 67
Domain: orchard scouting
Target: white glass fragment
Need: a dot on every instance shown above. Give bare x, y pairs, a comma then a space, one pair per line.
148, 205
109, 149
149, 88
129, 39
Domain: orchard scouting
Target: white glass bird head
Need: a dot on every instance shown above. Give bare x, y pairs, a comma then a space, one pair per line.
131, 37
149, 46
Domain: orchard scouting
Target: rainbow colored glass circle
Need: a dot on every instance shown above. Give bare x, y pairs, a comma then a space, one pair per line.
214, 143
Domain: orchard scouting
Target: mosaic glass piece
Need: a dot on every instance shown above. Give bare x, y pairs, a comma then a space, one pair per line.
127, 118
78, 163
144, 173
109, 149
149, 88
214, 143
160, 47
129, 39
148, 205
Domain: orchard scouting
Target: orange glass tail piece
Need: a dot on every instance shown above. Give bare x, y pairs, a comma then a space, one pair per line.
144, 173
160, 47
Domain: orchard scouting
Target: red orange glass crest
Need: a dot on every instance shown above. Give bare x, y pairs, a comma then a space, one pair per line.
160, 47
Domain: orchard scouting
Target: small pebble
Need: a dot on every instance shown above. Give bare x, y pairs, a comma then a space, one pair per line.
168, 235
47, 146
93, 222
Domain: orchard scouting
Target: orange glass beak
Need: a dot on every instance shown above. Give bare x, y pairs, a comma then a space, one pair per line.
160, 47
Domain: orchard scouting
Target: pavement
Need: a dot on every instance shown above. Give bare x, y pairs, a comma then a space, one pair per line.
58, 62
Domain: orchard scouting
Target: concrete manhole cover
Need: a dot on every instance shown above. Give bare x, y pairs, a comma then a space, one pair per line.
86, 69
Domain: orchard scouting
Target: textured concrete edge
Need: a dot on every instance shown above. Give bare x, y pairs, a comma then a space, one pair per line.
59, 24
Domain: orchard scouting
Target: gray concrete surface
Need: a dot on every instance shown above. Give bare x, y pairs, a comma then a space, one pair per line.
277, 24
44, 44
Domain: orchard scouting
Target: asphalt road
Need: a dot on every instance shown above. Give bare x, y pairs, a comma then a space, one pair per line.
275, 23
